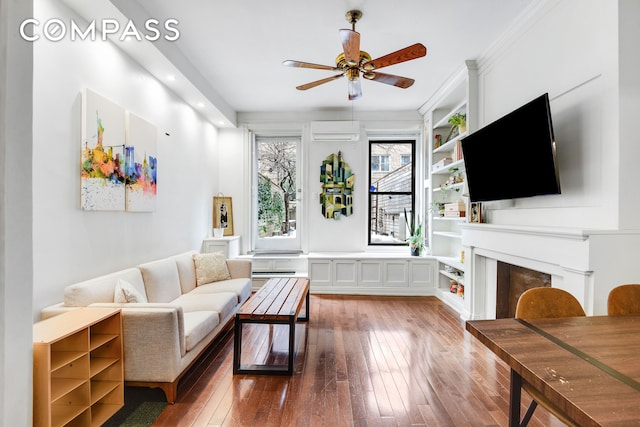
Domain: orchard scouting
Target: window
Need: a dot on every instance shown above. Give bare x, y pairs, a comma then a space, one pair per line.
276, 210
391, 191
379, 163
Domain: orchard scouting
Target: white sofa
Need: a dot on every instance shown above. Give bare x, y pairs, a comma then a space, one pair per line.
179, 316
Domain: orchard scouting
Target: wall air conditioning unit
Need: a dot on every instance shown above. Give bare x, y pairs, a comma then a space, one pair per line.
326, 131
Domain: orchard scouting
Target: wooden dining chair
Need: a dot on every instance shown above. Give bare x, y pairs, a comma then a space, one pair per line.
623, 300
541, 303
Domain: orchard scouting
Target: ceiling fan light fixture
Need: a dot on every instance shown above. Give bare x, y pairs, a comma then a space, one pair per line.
354, 88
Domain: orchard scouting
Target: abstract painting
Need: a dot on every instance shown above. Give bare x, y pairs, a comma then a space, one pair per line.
103, 141
141, 165
337, 187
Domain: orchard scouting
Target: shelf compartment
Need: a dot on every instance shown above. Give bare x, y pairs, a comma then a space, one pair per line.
108, 405
99, 340
459, 279
109, 372
73, 343
77, 367
99, 364
60, 359
444, 122
100, 389
449, 145
77, 394
64, 386
69, 415
109, 326
452, 261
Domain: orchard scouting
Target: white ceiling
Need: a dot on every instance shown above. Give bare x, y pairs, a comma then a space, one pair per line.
232, 51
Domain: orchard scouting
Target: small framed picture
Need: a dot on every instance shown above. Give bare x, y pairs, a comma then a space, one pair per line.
223, 214
475, 212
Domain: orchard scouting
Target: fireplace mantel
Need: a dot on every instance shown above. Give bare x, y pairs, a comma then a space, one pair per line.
587, 263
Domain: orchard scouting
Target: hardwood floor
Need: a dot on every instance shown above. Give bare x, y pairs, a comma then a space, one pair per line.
361, 361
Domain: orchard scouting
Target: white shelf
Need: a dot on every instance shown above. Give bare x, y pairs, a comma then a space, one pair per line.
444, 122
448, 218
453, 262
446, 169
448, 146
457, 185
449, 234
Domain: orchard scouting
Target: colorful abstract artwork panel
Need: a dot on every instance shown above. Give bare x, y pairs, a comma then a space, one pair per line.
103, 142
337, 187
141, 165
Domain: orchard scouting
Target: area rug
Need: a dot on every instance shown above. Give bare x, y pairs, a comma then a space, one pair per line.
141, 407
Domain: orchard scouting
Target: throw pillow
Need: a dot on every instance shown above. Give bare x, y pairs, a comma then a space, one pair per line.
210, 267
126, 292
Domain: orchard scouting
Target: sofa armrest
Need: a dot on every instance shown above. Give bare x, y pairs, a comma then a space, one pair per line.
54, 310
153, 340
239, 268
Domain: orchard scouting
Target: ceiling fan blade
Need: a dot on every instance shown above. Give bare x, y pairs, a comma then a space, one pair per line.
408, 53
300, 64
351, 46
389, 79
319, 82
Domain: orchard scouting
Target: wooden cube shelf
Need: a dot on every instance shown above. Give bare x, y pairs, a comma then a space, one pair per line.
78, 373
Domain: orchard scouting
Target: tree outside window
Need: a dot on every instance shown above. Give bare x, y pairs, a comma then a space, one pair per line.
276, 187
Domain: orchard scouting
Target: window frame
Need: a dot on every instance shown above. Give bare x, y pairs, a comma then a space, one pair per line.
380, 156
412, 193
271, 244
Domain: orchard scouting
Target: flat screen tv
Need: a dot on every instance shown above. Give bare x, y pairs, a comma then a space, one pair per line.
513, 157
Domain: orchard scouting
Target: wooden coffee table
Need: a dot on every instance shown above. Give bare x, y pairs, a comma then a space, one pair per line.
278, 302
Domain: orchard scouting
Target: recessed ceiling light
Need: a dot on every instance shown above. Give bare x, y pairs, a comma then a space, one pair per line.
171, 77
200, 104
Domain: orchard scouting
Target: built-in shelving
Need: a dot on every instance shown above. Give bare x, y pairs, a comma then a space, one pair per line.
445, 174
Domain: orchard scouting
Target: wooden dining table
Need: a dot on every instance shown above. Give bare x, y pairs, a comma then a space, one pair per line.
589, 366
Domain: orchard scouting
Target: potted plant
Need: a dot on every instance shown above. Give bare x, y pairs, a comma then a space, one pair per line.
415, 239
459, 120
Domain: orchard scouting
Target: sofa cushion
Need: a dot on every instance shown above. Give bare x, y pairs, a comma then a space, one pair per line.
222, 302
241, 287
100, 289
197, 324
186, 270
161, 280
210, 267
125, 292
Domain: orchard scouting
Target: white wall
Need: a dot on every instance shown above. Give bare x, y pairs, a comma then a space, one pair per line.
16, 269
349, 233
569, 48
70, 244
320, 234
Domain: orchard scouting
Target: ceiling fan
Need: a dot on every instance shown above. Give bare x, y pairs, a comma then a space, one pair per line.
353, 62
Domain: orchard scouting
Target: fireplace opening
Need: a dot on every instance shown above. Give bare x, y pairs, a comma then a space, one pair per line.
512, 281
